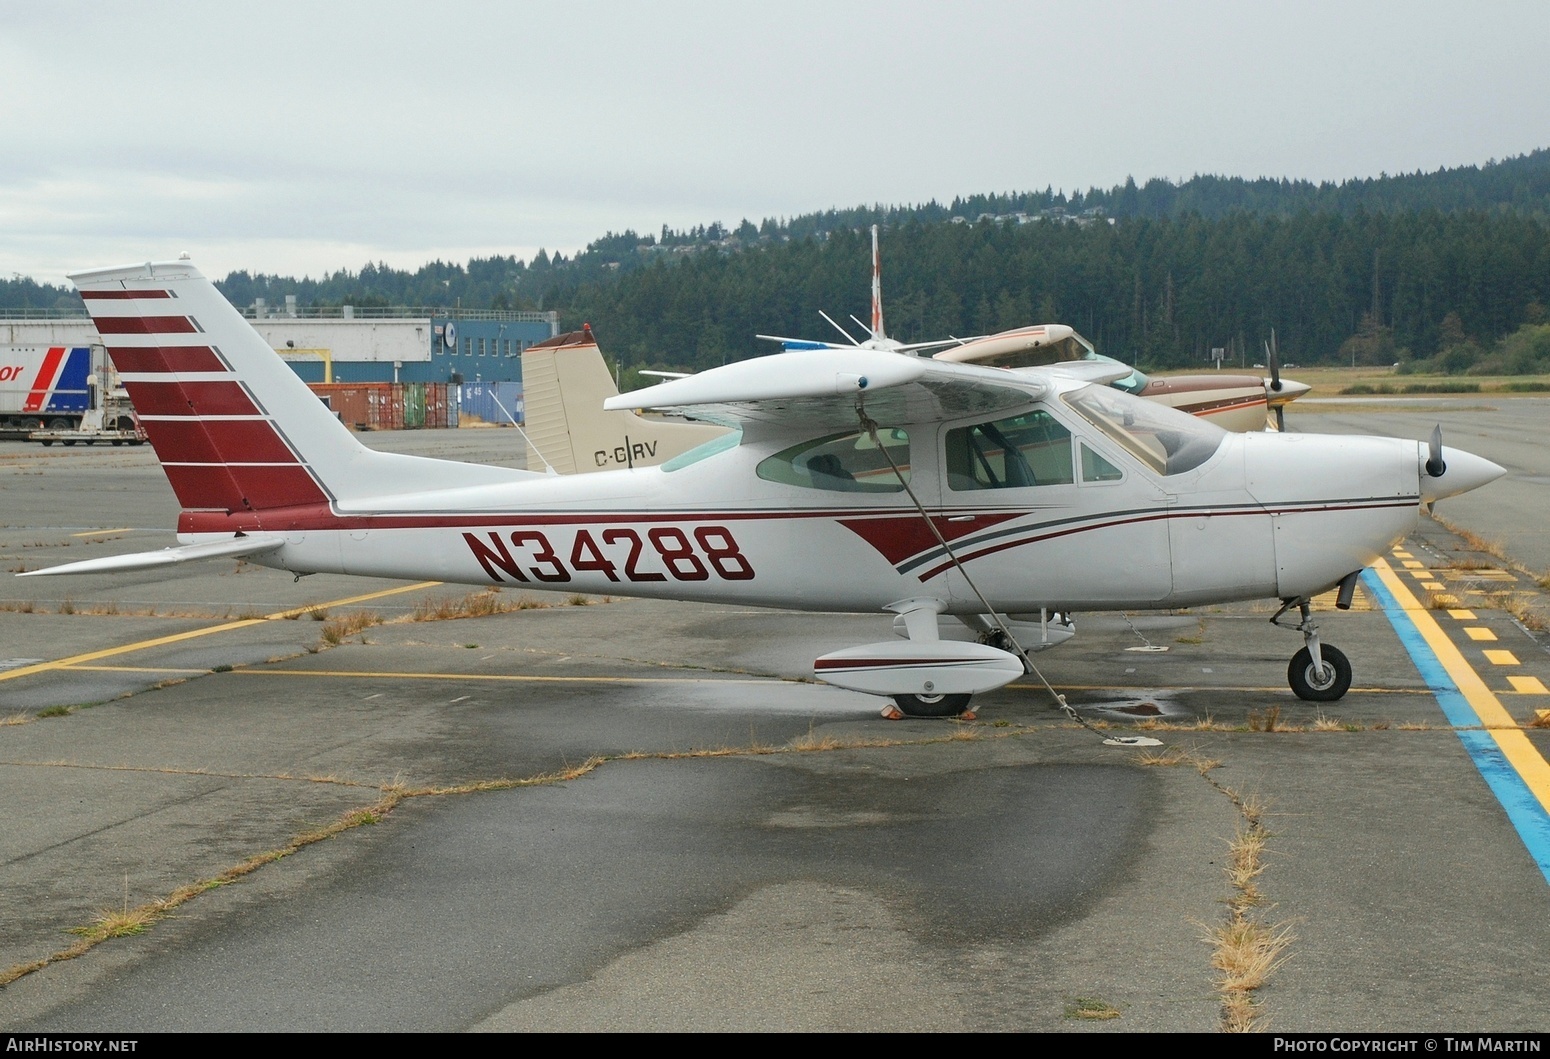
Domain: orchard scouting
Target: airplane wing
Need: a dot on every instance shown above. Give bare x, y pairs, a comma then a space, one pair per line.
234, 548
1099, 371
822, 388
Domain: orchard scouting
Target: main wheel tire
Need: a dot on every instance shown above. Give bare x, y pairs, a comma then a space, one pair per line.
1312, 686
931, 705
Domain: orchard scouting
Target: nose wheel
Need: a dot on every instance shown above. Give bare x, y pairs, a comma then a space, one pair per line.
1319, 672
1320, 683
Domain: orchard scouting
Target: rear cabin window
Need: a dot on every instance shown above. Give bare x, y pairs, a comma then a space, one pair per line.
842, 463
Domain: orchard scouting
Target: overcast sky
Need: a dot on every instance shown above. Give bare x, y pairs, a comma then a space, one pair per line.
300, 138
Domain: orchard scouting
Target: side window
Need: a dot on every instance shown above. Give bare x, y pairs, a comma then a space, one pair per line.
1027, 450
842, 463
1097, 469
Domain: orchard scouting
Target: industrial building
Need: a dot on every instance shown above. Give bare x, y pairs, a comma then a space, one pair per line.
348, 344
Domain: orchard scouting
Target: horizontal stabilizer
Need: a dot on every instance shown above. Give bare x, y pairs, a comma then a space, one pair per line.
236, 547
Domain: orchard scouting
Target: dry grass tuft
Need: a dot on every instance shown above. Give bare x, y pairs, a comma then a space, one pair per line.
347, 625
1521, 606
1266, 720
1091, 1008
1541, 720
1471, 564
1244, 865
120, 924
1247, 953
1245, 950
1473, 540
1162, 759
474, 605
15, 718
1442, 601
19, 606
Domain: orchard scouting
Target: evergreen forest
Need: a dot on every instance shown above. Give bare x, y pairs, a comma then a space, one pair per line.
1447, 271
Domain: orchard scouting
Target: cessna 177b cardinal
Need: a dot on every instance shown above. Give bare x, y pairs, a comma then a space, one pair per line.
964, 499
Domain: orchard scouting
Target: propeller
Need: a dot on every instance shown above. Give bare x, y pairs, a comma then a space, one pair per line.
1434, 462
1273, 360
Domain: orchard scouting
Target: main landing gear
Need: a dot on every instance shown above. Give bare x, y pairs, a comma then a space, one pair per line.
931, 705
1318, 672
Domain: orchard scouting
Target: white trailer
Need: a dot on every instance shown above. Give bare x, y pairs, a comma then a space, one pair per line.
63, 393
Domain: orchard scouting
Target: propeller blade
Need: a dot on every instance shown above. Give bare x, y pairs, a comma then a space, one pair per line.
1281, 418
1273, 358
1434, 463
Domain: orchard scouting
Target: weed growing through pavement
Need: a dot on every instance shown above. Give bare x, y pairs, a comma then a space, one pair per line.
1091, 1008
347, 625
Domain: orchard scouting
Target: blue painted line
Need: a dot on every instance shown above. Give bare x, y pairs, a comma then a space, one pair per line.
1523, 809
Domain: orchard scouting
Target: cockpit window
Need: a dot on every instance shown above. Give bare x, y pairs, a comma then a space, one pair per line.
1166, 440
1026, 450
842, 463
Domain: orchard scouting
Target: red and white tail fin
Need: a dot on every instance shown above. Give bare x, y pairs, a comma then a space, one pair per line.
877, 289
236, 429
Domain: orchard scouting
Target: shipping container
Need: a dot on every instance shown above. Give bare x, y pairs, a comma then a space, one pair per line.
390, 405
491, 402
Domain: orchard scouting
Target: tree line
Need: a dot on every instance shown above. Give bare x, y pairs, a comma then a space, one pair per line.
1425, 269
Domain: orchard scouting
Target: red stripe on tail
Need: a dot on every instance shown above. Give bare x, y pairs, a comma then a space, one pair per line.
165, 358
190, 399
144, 325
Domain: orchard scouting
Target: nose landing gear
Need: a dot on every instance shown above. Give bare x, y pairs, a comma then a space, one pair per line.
1319, 672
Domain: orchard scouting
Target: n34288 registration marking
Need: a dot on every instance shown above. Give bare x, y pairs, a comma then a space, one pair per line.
618, 553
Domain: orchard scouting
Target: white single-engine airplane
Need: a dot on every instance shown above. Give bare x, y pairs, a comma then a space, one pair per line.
859, 481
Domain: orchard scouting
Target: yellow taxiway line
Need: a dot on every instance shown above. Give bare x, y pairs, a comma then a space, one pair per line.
1509, 736
518, 678
160, 641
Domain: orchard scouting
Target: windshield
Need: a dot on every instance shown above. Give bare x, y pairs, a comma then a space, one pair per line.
1166, 440
1135, 382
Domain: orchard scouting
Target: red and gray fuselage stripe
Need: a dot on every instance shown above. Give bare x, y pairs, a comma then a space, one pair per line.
881, 665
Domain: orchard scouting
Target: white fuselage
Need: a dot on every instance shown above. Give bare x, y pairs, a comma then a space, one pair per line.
1264, 516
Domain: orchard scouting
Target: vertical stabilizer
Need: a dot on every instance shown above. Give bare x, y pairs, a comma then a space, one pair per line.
564, 385
235, 429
